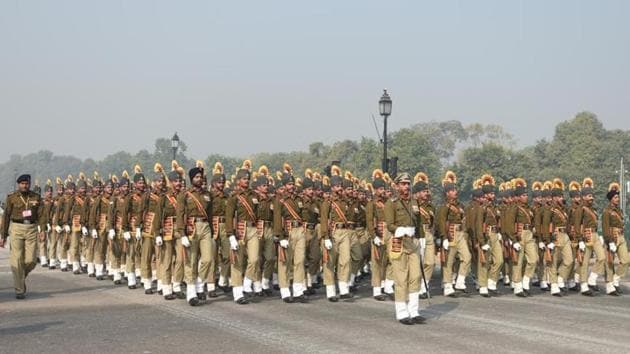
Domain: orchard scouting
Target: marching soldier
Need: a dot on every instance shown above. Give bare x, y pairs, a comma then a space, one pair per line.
403, 223
556, 240
76, 219
490, 250
576, 199
90, 241
47, 212
337, 223
219, 200
426, 215
311, 219
193, 223
612, 228
590, 242
291, 219
375, 219
150, 229
117, 214
520, 225
450, 223
541, 200
101, 227
55, 234
132, 222
23, 221
241, 224
265, 215
506, 209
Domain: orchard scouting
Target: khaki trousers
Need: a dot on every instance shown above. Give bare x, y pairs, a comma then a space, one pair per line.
313, 253
23, 253
494, 262
295, 256
527, 257
74, 254
198, 259
379, 261
406, 270
165, 264
428, 258
52, 245
146, 257
597, 248
178, 262
268, 253
246, 261
458, 247
338, 257
624, 260
562, 260
224, 256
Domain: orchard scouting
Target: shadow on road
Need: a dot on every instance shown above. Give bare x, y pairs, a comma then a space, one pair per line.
436, 311
32, 328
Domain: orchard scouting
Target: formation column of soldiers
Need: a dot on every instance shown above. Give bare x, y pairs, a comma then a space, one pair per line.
260, 232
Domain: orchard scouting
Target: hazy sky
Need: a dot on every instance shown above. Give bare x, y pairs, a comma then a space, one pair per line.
89, 78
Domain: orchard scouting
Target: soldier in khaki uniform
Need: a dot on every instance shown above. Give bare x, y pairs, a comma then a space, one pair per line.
23, 222
450, 223
426, 216
506, 208
519, 228
118, 244
219, 201
47, 212
55, 234
404, 224
375, 221
241, 224
90, 241
194, 211
576, 199
268, 242
291, 219
101, 227
312, 241
132, 220
612, 228
150, 229
470, 212
63, 228
76, 218
589, 241
490, 248
556, 240
337, 220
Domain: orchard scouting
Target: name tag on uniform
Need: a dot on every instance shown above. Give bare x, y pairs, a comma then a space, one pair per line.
255, 200
415, 208
271, 206
356, 210
207, 198
300, 205
27, 213
316, 210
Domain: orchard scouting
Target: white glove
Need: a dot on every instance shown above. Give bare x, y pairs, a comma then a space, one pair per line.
94, 233
423, 243
551, 246
517, 246
445, 244
378, 241
66, 228
582, 246
185, 242
126, 235
284, 243
328, 244
499, 236
84, 231
438, 242
39, 229
48, 228
138, 233
485, 247
612, 247
601, 240
58, 229
541, 245
110, 234
233, 243
158, 241
404, 231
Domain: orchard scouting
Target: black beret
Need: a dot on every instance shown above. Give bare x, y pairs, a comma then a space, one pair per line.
194, 171
611, 194
24, 178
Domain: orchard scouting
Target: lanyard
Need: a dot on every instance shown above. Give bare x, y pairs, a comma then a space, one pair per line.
25, 201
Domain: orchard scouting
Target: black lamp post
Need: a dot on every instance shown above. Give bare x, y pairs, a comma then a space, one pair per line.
175, 145
385, 109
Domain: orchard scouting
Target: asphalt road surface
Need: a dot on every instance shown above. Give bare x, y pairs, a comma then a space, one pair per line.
65, 313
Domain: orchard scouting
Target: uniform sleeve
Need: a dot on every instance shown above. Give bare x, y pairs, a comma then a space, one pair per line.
59, 212
92, 218
180, 215
6, 218
478, 217
323, 220
278, 227
606, 226
111, 215
577, 223
67, 210
510, 220
125, 213
41, 216
369, 219
545, 226
230, 209
85, 213
156, 227
441, 221
390, 217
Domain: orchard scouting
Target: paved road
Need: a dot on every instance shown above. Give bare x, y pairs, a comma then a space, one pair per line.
66, 313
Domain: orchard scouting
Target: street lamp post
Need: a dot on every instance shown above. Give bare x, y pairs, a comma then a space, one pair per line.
175, 145
15, 179
385, 109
